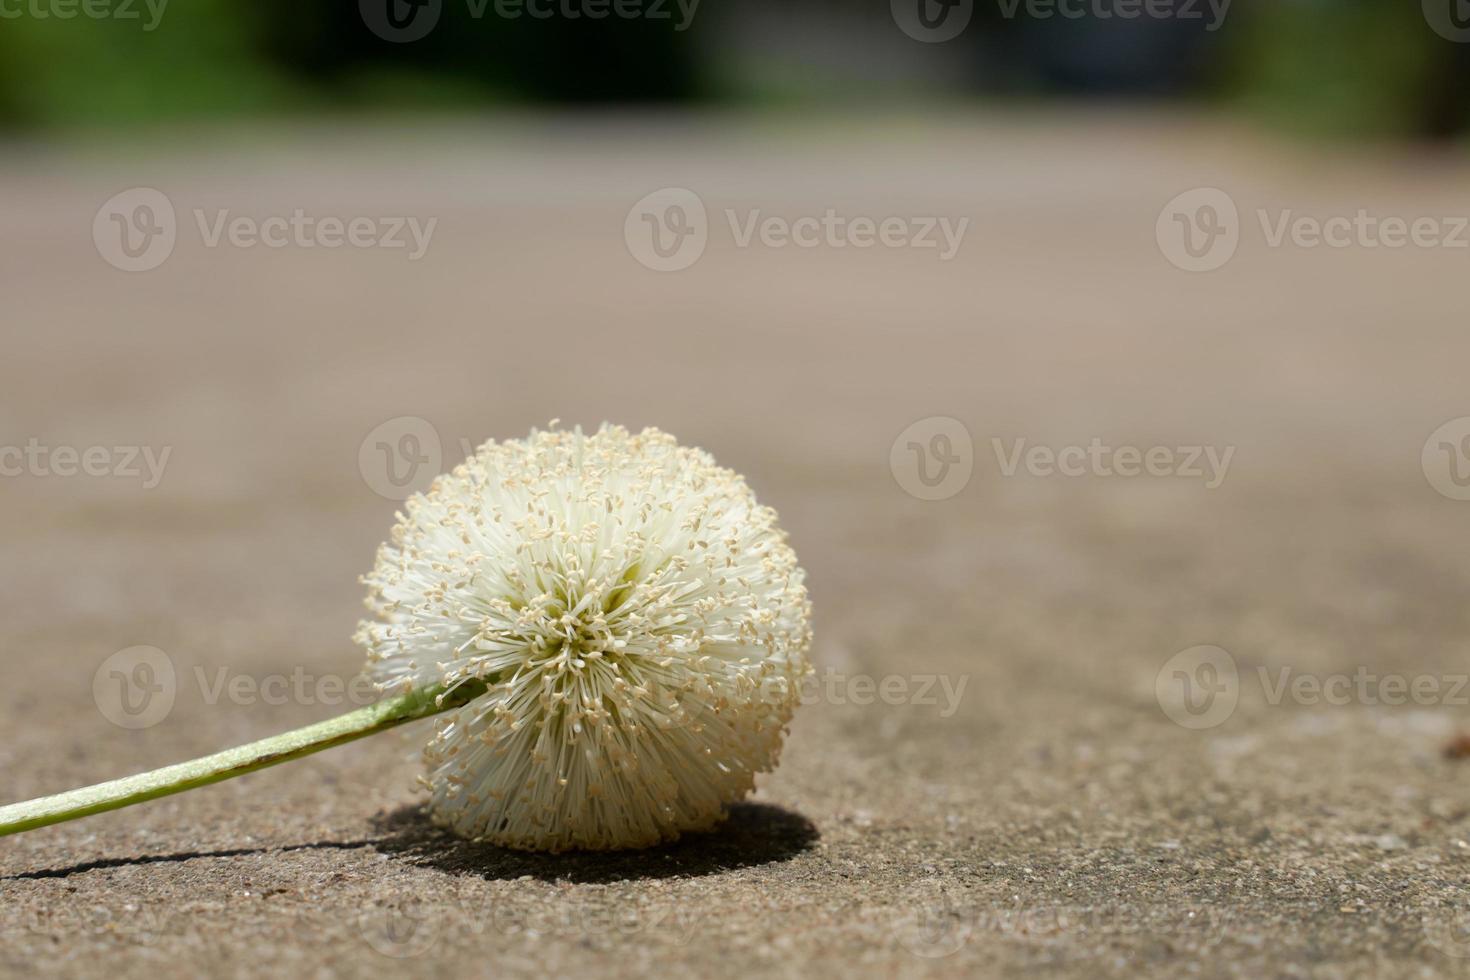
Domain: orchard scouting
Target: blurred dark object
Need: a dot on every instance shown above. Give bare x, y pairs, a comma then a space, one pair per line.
1342, 68
1112, 56
471, 47
212, 58
1458, 747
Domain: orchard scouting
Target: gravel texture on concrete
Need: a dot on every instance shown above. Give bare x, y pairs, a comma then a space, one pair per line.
1016, 799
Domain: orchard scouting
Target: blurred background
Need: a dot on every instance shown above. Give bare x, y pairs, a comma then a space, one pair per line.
1351, 68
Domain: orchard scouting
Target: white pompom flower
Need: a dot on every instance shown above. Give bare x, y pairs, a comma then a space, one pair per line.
632, 622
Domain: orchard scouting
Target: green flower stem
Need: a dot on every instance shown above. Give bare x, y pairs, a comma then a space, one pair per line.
234, 762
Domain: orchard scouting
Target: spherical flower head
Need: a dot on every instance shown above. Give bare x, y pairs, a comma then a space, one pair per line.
635, 622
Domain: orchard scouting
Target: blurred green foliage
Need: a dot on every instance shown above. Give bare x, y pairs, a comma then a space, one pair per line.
1349, 68
203, 57
1360, 68
213, 58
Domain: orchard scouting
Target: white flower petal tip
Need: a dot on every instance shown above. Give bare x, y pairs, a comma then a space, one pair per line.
637, 620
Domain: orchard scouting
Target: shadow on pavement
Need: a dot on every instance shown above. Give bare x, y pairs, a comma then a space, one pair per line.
754, 834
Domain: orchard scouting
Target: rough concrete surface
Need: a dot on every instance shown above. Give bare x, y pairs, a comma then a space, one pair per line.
1049, 820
